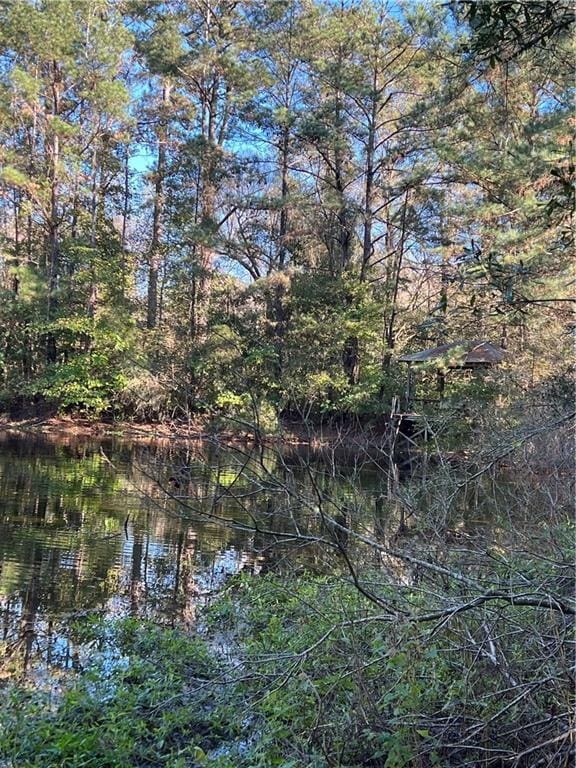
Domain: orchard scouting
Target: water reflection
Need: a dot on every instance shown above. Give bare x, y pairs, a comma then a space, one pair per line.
154, 530
120, 528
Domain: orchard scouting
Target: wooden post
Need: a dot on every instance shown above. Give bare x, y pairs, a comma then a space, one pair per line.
409, 387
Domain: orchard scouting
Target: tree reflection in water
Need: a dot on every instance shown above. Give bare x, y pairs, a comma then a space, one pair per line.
154, 530
86, 527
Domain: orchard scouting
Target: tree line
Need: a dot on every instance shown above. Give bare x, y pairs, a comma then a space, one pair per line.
229, 207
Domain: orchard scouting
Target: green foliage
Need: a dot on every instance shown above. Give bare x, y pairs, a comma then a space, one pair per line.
320, 675
139, 702
340, 685
309, 205
325, 313
91, 372
504, 30
282, 197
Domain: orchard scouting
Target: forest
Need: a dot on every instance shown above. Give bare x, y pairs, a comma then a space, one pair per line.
287, 384
237, 208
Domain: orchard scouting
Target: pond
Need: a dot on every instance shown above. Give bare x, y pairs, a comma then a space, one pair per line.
149, 530
154, 529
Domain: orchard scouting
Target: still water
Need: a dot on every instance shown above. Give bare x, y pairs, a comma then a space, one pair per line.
154, 530
146, 530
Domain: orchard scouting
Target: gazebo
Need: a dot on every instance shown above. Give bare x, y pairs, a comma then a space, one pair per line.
458, 355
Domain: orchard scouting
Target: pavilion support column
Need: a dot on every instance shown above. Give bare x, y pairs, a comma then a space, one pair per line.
409, 387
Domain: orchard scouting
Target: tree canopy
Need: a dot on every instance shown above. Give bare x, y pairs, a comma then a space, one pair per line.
212, 207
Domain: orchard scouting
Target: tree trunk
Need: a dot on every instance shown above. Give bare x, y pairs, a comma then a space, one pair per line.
155, 253
54, 212
16, 263
284, 217
395, 273
125, 200
208, 223
351, 359
369, 183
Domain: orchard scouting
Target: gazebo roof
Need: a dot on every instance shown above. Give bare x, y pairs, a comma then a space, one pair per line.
459, 354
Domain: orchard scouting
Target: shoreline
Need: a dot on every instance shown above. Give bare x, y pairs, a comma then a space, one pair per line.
83, 427
290, 435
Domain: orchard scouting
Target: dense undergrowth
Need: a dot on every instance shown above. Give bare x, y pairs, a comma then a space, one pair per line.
438, 672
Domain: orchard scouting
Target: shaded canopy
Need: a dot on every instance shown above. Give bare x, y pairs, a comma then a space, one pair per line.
459, 354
